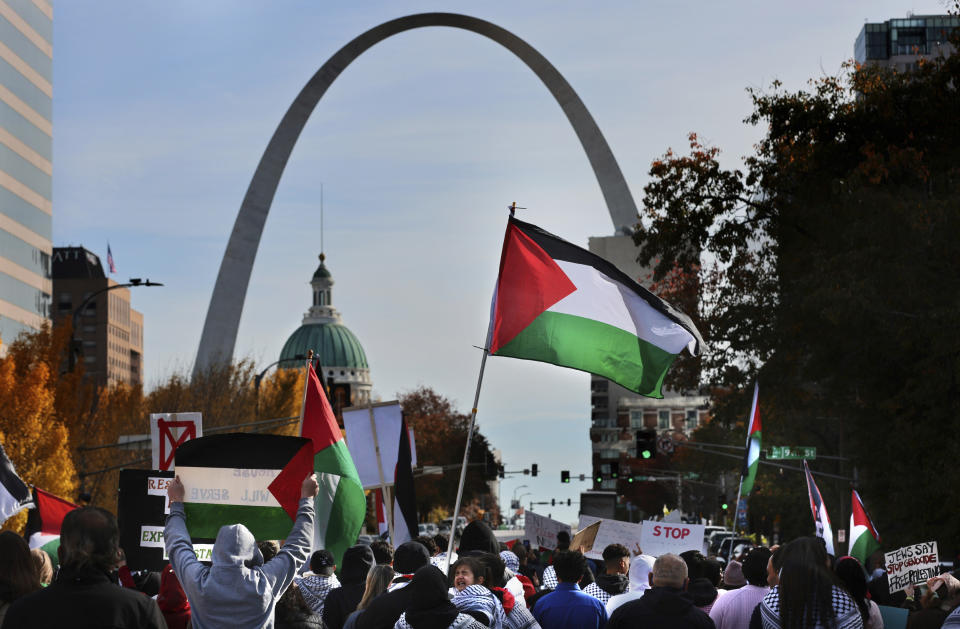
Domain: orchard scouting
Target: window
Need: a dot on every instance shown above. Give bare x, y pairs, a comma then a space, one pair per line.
636, 419
609, 484
609, 454
693, 419
663, 420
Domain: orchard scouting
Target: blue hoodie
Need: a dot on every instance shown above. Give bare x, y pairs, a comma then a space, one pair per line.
238, 590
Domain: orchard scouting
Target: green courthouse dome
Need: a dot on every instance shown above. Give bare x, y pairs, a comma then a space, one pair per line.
333, 343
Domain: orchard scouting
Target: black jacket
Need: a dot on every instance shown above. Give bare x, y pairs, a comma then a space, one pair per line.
613, 584
660, 608
84, 598
384, 611
342, 601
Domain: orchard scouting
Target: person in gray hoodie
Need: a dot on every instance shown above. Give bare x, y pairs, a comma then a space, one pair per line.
239, 589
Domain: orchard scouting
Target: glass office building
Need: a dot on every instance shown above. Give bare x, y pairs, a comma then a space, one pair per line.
900, 43
26, 171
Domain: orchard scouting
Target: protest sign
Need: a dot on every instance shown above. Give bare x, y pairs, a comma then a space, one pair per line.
585, 538
630, 534
169, 430
659, 538
911, 565
541, 531
365, 449
141, 514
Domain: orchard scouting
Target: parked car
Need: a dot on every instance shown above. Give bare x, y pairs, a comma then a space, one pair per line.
427, 528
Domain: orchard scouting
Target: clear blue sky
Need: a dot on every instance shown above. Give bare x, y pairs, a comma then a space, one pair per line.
162, 110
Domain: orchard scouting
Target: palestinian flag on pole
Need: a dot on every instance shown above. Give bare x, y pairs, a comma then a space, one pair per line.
14, 493
250, 479
560, 304
820, 518
864, 538
751, 458
44, 521
341, 504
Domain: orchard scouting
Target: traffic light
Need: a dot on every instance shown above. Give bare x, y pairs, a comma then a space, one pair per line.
722, 502
629, 479
533, 470
500, 471
553, 502
646, 444
599, 478
615, 469
565, 476
568, 502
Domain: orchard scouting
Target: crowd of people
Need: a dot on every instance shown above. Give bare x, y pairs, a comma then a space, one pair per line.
484, 585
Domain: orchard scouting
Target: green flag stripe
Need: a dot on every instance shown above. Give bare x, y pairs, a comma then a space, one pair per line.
595, 347
864, 546
204, 520
336, 459
346, 517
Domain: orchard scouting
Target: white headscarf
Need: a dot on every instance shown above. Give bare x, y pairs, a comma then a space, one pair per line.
640, 568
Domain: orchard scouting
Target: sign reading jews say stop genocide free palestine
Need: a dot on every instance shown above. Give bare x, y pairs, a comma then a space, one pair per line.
911, 565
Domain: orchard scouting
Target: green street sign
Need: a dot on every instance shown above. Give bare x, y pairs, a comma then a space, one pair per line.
792, 452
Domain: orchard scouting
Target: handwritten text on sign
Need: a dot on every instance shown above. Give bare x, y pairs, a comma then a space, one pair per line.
911, 564
659, 538
542, 531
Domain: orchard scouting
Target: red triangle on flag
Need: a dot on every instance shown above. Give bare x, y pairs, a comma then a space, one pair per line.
319, 423
286, 487
530, 282
52, 511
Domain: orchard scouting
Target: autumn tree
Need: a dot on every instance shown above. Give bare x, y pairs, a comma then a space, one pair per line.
441, 435
829, 275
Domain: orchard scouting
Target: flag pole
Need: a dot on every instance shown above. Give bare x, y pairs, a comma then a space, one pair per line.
466, 455
387, 499
306, 383
736, 514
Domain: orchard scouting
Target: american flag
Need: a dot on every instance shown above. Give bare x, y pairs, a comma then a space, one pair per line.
113, 268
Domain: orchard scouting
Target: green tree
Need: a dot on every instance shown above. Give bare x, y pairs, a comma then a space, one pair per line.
831, 279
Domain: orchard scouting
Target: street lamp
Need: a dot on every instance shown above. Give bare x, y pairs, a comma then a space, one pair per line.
77, 347
516, 489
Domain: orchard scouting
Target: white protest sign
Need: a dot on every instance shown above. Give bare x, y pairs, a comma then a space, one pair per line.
659, 538
911, 565
630, 534
169, 430
363, 447
541, 530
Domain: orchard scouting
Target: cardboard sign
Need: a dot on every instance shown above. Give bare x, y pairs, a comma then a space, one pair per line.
630, 534
911, 565
541, 531
141, 508
659, 538
169, 430
363, 447
585, 538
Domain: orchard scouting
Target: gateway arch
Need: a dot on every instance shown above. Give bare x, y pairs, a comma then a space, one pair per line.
226, 304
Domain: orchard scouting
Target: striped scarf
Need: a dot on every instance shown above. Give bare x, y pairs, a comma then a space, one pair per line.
479, 598
847, 614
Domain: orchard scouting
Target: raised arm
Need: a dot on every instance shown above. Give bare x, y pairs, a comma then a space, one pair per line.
296, 549
176, 538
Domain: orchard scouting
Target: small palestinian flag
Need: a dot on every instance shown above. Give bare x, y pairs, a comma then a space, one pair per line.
864, 538
14, 493
44, 521
560, 304
821, 520
751, 459
251, 479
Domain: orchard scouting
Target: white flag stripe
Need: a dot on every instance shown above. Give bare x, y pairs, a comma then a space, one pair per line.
228, 486
602, 299
323, 504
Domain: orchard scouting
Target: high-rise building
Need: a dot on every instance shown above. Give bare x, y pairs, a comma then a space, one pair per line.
26, 148
618, 413
901, 42
109, 333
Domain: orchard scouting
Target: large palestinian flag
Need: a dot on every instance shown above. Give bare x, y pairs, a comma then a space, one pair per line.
44, 521
560, 304
751, 458
864, 538
240, 478
14, 493
341, 504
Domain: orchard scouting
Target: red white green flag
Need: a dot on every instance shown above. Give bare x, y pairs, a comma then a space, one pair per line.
44, 521
558, 303
751, 460
341, 504
864, 538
